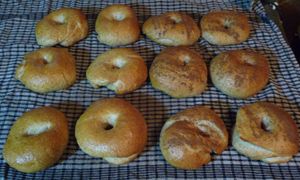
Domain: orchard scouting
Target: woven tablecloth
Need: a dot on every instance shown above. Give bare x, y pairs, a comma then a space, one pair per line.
17, 37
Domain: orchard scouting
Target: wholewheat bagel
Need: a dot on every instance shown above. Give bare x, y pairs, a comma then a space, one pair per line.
225, 27
240, 73
121, 70
179, 72
172, 29
113, 130
265, 132
64, 26
188, 138
36, 140
47, 69
117, 25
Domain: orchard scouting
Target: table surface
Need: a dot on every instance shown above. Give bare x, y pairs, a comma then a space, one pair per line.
18, 19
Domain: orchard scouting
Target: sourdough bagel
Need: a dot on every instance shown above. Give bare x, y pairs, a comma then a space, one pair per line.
188, 138
117, 25
225, 27
179, 72
47, 69
64, 26
265, 132
36, 140
172, 29
112, 129
121, 70
240, 73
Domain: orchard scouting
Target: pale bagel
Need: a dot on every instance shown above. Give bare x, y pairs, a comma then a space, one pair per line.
112, 129
121, 70
117, 25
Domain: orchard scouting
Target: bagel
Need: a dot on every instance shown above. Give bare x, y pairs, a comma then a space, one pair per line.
121, 70
179, 72
265, 132
47, 69
172, 29
239, 73
117, 25
64, 26
225, 27
112, 129
188, 138
36, 140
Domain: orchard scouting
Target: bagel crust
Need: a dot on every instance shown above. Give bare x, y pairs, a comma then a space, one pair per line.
240, 73
179, 72
64, 26
112, 129
225, 27
117, 25
265, 132
188, 138
172, 29
36, 140
47, 69
121, 70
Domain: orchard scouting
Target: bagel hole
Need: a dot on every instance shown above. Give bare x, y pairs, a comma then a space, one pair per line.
185, 60
59, 20
176, 19
227, 23
119, 63
249, 60
114, 67
108, 126
266, 124
38, 128
46, 59
111, 120
118, 16
42, 61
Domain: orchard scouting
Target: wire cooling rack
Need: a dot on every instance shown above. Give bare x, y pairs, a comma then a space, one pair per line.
18, 20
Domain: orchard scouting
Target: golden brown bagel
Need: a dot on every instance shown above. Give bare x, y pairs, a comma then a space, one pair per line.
265, 132
121, 70
47, 69
112, 129
188, 138
239, 73
117, 25
179, 72
64, 26
225, 27
37, 140
172, 29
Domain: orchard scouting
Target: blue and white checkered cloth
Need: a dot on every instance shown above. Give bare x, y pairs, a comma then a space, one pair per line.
17, 37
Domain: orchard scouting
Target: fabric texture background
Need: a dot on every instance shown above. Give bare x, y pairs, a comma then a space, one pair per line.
17, 24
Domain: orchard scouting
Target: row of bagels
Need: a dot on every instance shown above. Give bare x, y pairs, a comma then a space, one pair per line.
116, 131
177, 71
118, 25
